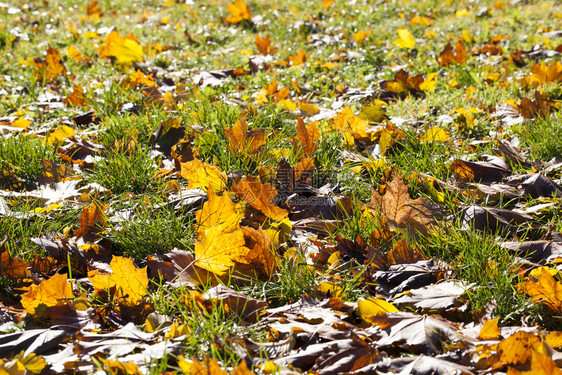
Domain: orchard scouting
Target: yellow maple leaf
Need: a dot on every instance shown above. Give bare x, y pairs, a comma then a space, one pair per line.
238, 11
51, 292
430, 82
435, 134
405, 39
218, 211
360, 36
202, 175
347, 123
59, 134
125, 50
218, 250
21, 122
490, 330
374, 306
130, 282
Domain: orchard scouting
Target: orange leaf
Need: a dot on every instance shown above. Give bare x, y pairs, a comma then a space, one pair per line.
241, 140
91, 215
545, 289
130, 282
77, 98
51, 67
541, 364
264, 45
206, 367
261, 255
403, 253
490, 330
13, 267
554, 339
307, 136
55, 291
518, 348
451, 56
259, 196
397, 207
239, 11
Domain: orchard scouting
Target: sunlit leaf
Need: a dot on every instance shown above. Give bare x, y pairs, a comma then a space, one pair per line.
54, 291
125, 50
259, 196
490, 330
202, 175
218, 211
217, 251
405, 39
130, 282
238, 11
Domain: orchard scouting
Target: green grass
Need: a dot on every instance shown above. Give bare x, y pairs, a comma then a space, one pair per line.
123, 171
542, 137
21, 159
151, 231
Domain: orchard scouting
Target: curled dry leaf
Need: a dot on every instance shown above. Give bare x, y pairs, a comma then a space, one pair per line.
415, 333
92, 215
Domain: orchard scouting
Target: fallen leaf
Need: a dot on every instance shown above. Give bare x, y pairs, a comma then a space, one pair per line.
130, 282
374, 306
405, 39
217, 251
264, 45
450, 56
125, 50
51, 67
261, 256
541, 364
202, 175
218, 211
259, 196
238, 11
518, 348
419, 214
490, 330
91, 216
307, 137
240, 139
415, 333
76, 98
51, 292
478, 171
544, 289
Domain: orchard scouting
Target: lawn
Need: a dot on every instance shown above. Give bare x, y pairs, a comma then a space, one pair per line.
325, 187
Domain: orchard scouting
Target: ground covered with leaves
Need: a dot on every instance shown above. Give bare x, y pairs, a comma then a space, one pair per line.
330, 187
